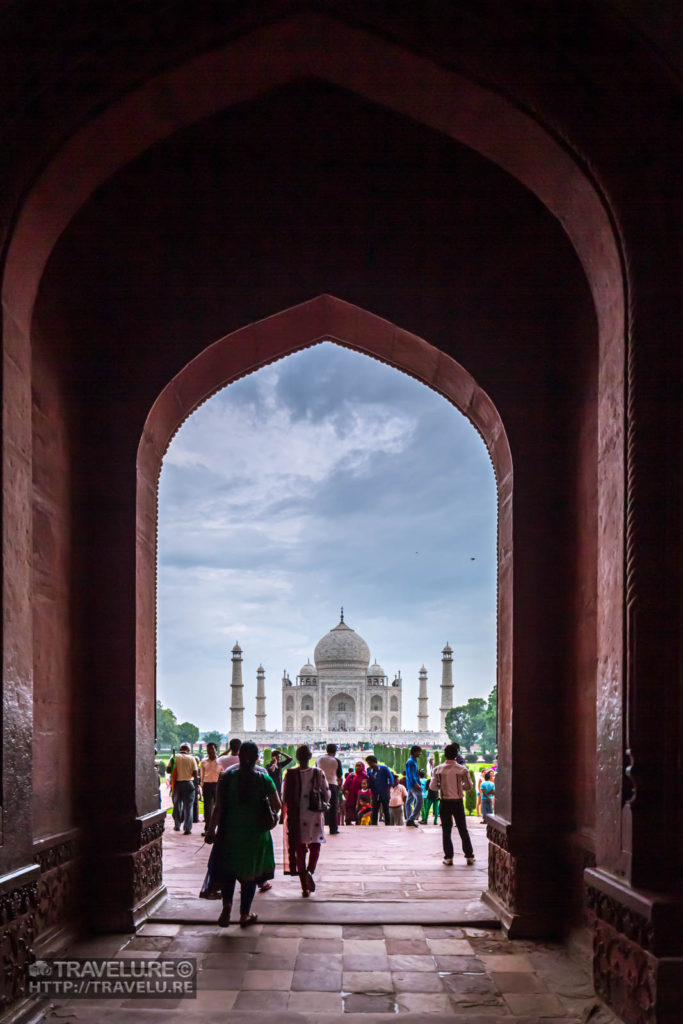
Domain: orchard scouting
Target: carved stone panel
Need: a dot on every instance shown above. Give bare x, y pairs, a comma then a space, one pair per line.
18, 932
57, 885
623, 919
147, 869
502, 876
624, 974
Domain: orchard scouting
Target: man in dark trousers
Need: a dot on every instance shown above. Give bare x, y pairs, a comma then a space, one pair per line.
381, 780
331, 767
414, 800
452, 780
209, 774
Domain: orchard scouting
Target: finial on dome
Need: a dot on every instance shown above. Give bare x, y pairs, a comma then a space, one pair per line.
341, 618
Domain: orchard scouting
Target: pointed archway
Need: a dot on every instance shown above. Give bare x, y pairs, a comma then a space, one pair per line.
504, 132
325, 318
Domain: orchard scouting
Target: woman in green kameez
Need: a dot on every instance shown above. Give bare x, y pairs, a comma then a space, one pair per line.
242, 844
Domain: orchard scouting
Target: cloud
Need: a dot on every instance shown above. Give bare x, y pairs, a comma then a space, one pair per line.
326, 478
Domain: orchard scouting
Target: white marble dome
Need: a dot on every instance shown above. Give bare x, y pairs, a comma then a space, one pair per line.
376, 670
308, 670
342, 645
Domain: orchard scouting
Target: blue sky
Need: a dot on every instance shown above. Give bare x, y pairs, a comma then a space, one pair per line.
326, 479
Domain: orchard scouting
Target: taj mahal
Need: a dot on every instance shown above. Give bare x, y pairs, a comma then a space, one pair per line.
340, 692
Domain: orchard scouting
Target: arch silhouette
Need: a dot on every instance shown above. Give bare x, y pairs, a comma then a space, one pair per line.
305, 46
315, 45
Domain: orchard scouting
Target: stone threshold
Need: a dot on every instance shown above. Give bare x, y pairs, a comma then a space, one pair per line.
175, 910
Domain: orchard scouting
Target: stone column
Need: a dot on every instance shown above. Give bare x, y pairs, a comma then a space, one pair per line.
260, 699
236, 693
422, 713
446, 684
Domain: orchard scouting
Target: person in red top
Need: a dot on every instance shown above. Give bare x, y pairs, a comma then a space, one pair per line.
351, 787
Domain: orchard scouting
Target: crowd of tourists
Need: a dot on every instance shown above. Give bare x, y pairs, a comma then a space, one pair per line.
243, 801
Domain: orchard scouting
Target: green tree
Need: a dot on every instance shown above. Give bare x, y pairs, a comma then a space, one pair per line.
213, 737
489, 736
167, 727
465, 724
471, 796
189, 733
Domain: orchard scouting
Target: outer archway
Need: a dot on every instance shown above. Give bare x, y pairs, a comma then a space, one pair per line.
320, 47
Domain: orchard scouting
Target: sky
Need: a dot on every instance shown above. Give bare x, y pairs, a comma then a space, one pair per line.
324, 480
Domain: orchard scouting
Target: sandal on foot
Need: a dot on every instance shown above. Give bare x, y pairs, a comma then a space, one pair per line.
247, 919
265, 887
224, 919
310, 882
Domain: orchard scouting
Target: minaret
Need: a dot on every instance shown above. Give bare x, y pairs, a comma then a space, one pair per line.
446, 684
286, 682
422, 713
237, 693
260, 699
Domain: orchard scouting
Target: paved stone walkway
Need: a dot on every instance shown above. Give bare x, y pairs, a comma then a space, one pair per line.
318, 974
368, 949
400, 869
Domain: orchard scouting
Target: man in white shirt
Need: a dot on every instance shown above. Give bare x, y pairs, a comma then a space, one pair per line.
330, 765
452, 780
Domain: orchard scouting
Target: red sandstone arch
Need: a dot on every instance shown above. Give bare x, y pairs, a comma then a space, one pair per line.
320, 46
248, 349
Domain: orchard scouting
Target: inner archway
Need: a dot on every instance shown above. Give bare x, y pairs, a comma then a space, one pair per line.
372, 336
342, 710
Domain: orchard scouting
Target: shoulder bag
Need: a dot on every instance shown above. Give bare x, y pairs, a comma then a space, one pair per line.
269, 817
316, 801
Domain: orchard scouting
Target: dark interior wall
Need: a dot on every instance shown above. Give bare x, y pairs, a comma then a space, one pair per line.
582, 585
311, 190
56, 701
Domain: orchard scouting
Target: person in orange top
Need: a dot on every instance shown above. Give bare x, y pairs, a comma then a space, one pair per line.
210, 771
185, 775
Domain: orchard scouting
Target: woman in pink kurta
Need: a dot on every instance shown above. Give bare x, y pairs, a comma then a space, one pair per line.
304, 828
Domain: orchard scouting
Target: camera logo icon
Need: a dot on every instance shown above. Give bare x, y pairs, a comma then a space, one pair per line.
40, 969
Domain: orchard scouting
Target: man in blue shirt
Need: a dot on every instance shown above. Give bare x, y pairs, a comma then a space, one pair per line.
414, 800
381, 780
